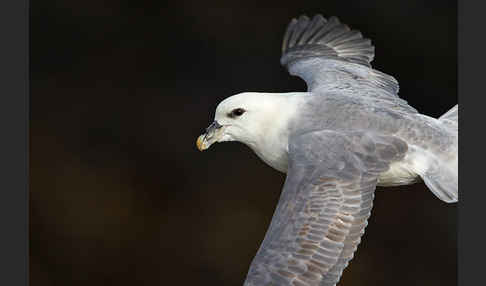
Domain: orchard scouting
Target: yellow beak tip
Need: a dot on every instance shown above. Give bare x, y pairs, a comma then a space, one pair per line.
200, 143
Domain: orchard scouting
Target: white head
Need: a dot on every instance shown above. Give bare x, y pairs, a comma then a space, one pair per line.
245, 117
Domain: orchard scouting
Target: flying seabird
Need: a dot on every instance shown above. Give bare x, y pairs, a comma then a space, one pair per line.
349, 133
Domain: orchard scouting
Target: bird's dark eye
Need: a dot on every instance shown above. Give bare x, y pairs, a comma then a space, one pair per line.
236, 112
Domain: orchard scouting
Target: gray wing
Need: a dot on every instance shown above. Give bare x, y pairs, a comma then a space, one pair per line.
327, 39
326, 54
323, 208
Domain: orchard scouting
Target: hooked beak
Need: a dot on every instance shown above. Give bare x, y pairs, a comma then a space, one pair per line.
213, 134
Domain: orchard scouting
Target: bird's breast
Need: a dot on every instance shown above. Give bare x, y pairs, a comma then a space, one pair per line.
399, 173
274, 154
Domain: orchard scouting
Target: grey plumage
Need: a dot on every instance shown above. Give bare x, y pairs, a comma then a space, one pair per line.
321, 38
324, 207
351, 133
347, 134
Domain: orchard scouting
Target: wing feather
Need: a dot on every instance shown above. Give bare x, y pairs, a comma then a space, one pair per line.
327, 54
324, 207
327, 35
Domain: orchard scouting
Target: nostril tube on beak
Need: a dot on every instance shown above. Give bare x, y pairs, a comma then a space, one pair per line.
215, 125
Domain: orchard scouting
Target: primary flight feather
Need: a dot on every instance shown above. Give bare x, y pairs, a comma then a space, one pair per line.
347, 134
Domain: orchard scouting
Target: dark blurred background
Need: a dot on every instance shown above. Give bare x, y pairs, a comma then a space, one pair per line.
119, 93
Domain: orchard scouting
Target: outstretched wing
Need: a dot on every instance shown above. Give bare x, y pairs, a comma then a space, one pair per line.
326, 53
323, 208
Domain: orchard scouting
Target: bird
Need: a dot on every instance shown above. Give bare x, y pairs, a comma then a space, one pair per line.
348, 133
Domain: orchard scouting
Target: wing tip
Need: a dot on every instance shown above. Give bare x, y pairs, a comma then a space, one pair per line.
318, 36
